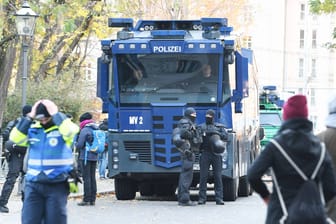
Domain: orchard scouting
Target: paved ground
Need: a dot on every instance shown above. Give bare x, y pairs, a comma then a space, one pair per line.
104, 186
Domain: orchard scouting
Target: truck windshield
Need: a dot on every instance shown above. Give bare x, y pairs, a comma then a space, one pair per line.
168, 78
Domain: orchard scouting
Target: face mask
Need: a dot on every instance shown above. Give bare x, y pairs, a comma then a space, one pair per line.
209, 120
192, 118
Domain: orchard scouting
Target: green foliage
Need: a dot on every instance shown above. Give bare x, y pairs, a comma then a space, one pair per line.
324, 7
67, 96
320, 7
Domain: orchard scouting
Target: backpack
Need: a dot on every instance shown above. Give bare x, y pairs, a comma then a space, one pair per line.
98, 143
308, 205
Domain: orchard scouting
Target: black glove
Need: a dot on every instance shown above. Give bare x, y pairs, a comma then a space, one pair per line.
186, 134
187, 153
75, 176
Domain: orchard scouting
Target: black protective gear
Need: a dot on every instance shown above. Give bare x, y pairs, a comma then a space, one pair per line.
188, 153
190, 113
185, 134
210, 116
177, 137
187, 129
217, 145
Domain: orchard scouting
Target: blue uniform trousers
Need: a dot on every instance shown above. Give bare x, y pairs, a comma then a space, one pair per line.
45, 203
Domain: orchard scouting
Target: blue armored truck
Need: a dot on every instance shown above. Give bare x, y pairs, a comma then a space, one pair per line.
148, 74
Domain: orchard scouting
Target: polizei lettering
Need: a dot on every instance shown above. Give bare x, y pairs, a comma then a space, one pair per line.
167, 49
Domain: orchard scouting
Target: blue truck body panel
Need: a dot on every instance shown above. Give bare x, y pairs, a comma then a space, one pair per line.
149, 75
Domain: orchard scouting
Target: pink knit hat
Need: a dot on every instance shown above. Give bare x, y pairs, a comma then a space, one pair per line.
295, 107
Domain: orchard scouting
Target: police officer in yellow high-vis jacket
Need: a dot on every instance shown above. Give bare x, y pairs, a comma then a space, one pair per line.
50, 162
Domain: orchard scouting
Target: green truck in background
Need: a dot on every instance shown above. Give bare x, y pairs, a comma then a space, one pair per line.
270, 113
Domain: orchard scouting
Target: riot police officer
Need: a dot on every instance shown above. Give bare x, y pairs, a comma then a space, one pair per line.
186, 139
212, 147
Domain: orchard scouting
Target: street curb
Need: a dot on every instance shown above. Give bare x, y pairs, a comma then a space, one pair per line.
102, 193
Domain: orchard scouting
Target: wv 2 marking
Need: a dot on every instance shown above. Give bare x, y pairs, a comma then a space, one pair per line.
135, 119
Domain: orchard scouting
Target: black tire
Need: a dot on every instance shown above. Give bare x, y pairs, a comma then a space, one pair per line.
146, 189
230, 190
244, 187
125, 189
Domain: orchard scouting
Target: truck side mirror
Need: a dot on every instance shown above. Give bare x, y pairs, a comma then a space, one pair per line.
261, 133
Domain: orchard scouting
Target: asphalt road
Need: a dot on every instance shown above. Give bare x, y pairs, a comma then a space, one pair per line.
153, 210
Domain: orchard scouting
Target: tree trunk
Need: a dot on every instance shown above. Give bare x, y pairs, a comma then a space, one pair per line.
7, 55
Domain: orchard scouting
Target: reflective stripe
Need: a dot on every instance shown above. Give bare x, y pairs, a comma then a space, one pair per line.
36, 172
33, 172
50, 162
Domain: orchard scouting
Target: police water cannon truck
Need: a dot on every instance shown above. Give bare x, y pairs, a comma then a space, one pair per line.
148, 75
270, 113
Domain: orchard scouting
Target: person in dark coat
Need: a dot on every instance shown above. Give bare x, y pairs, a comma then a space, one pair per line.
15, 161
328, 136
297, 139
88, 160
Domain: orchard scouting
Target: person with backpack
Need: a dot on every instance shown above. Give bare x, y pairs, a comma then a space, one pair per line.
48, 134
294, 153
14, 156
87, 159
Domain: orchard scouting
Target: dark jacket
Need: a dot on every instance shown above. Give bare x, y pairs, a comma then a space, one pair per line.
296, 137
8, 129
190, 132
86, 135
209, 130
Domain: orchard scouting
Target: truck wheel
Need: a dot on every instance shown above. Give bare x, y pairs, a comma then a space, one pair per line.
244, 187
146, 189
230, 190
125, 189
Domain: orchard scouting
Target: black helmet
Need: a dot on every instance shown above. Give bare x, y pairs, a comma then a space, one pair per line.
210, 113
210, 116
217, 145
190, 112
